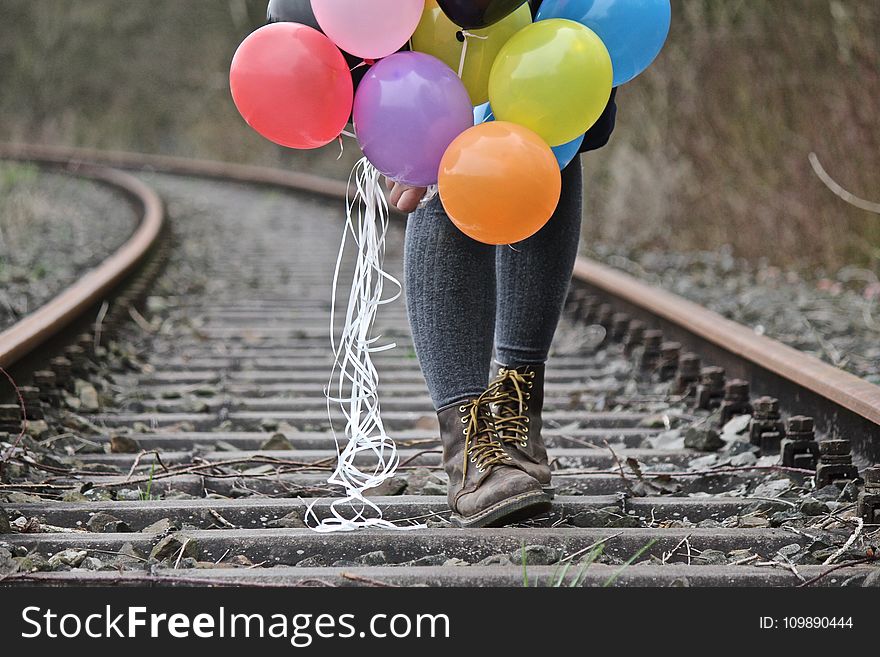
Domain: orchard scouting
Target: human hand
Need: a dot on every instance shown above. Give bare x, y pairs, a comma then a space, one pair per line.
403, 197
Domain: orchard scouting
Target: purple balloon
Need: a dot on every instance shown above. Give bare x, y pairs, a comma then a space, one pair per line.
408, 109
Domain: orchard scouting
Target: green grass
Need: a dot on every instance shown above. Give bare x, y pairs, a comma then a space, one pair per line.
558, 578
147, 496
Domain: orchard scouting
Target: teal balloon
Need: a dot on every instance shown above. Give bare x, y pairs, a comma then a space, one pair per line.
564, 153
634, 31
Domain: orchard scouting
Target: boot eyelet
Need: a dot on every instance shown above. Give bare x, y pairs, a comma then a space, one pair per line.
463, 420
527, 420
462, 408
524, 443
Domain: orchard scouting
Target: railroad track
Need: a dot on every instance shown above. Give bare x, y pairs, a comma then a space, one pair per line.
185, 446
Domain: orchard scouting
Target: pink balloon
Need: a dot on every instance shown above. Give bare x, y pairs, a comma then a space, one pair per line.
370, 29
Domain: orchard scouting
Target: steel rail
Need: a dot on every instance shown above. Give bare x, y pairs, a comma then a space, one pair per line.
843, 404
26, 335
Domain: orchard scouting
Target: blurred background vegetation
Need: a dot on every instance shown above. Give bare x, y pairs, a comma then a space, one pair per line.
711, 146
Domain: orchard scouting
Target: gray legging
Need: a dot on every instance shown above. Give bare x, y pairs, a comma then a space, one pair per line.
464, 296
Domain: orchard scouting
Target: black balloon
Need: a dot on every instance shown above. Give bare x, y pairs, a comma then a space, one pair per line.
291, 11
300, 11
477, 14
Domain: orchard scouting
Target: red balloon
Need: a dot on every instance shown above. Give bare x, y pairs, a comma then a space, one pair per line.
292, 85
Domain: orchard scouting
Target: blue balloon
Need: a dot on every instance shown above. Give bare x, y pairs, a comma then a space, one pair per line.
564, 153
634, 31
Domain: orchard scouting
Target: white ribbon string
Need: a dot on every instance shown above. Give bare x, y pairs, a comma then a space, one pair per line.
353, 375
464, 48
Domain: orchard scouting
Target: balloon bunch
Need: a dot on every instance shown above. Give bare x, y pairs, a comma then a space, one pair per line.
543, 84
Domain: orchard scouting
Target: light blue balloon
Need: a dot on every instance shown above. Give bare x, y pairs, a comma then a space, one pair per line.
564, 153
634, 31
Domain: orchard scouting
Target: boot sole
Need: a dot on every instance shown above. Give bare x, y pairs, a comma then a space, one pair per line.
510, 510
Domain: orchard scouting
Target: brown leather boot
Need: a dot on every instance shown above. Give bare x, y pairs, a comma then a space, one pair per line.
518, 418
486, 487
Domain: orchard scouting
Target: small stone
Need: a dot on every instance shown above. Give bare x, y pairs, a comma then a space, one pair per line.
708, 523
277, 443
292, 520
38, 429
128, 495
786, 517
7, 563
739, 555
497, 560
171, 546
753, 522
32, 563
813, 507
14, 550
657, 421
92, 563
434, 489
736, 427
88, 397
711, 558
773, 488
240, 560
104, 523
535, 555
704, 440
162, 526
72, 558
4, 522
378, 558
789, 550
317, 561
828, 493
389, 487
455, 562
872, 580
744, 460
121, 444
345, 563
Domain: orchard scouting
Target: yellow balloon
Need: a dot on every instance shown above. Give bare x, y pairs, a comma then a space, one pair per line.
438, 36
553, 77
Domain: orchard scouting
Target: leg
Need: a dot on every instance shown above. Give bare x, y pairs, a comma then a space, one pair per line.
533, 279
532, 284
450, 298
450, 290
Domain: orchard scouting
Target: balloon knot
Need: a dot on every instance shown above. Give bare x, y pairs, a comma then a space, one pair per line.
369, 62
460, 36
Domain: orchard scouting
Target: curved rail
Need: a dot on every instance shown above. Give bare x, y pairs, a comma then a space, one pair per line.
25, 336
843, 404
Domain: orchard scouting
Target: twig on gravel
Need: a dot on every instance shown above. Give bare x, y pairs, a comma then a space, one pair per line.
852, 539
24, 420
366, 580
137, 462
221, 520
619, 466
180, 556
846, 564
590, 547
668, 555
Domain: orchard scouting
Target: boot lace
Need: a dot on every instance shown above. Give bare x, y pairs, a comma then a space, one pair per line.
481, 446
512, 388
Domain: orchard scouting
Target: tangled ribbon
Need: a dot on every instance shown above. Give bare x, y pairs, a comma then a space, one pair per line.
354, 380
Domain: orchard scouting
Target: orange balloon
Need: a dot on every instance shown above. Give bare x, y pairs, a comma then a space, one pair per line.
499, 182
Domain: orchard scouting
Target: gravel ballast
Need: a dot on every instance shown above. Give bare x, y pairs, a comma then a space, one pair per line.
53, 228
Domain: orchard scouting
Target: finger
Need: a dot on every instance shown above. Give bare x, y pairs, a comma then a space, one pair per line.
397, 191
410, 199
